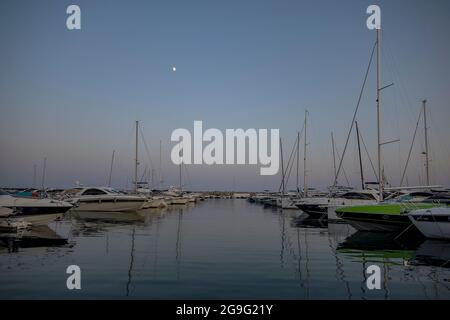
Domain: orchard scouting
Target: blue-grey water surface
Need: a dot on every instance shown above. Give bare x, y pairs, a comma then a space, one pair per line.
222, 249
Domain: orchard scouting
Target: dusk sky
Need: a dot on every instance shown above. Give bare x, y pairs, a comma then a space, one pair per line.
73, 96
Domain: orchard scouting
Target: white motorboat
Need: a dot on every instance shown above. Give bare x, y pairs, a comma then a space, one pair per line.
320, 206
176, 197
155, 202
286, 203
433, 222
32, 210
104, 199
180, 200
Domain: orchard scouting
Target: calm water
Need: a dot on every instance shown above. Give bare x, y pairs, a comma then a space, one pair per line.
220, 249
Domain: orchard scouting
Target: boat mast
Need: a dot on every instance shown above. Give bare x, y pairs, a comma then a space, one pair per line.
111, 168
181, 164
334, 156
298, 160
282, 170
160, 165
43, 173
380, 176
136, 160
427, 160
34, 176
305, 188
360, 159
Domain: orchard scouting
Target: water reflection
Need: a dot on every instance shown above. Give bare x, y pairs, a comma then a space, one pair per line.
379, 247
233, 249
38, 236
433, 253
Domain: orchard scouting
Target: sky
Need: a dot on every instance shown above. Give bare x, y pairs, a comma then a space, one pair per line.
73, 97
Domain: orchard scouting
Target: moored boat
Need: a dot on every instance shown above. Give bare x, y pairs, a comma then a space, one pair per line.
318, 207
432, 222
104, 199
383, 217
31, 210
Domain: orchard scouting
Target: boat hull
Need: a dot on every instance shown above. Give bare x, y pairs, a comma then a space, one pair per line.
155, 203
313, 210
108, 205
376, 226
433, 224
44, 210
179, 201
34, 219
380, 218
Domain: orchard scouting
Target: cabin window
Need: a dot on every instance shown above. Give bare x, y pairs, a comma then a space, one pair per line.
358, 196
93, 192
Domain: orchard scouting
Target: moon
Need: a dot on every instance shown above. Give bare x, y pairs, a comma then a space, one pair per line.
174, 69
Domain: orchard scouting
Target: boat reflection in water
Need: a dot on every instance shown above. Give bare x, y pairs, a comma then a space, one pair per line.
433, 253
413, 260
37, 236
379, 247
224, 249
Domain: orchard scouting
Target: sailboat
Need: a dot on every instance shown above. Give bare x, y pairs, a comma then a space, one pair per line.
177, 197
324, 207
289, 201
383, 217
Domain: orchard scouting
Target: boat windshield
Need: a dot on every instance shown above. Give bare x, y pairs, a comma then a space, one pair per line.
114, 191
358, 196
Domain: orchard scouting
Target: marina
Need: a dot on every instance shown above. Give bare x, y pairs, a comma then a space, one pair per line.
181, 156
220, 249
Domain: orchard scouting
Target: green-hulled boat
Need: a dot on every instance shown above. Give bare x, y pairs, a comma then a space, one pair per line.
383, 217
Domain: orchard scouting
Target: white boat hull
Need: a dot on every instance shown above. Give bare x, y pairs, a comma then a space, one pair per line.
180, 201
155, 203
108, 206
35, 219
432, 223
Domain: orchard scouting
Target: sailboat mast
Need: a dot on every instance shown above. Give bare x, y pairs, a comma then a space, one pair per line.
181, 164
43, 173
111, 168
160, 165
427, 160
334, 157
360, 159
282, 170
136, 160
298, 159
34, 176
305, 187
380, 176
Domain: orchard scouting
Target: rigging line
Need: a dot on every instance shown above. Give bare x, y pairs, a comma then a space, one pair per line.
368, 155
343, 170
188, 179
146, 148
443, 145
411, 147
290, 164
356, 110
144, 174
298, 138
395, 73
